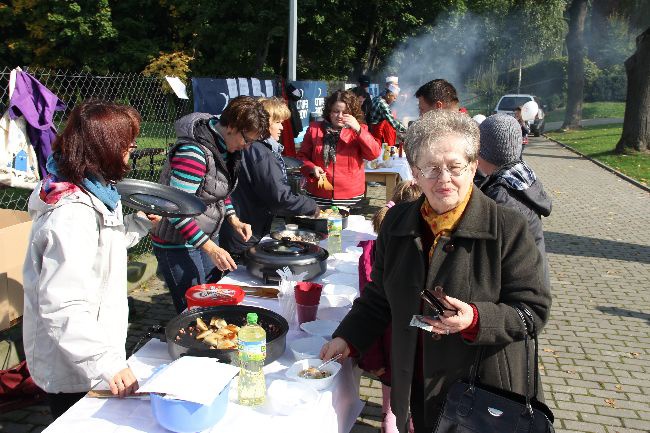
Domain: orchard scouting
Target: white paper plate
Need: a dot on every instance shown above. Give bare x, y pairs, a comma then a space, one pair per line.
333, 314
334, 301
345, 257
308, 347
340, 278
321, 328
289, 397
347, 267
341, 290
354, 250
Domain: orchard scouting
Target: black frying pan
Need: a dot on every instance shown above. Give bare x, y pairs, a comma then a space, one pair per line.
158, 199
180, 344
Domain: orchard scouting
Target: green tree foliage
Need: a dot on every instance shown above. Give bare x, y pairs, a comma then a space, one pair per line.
337, 39
60, 34
144, 29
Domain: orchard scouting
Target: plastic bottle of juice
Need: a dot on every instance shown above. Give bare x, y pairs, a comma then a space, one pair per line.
386, 151
252, 351
334, 222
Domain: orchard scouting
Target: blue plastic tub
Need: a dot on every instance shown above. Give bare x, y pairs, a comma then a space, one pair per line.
185, 417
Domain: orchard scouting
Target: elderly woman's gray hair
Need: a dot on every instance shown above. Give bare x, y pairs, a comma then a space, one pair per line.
426, 134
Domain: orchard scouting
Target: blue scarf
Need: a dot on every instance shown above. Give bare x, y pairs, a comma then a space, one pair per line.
106, 193
276, 149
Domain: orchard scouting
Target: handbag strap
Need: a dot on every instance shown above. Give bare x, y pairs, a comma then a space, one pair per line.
533, 332
530, 330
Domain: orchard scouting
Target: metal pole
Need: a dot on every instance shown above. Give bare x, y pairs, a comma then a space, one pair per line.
293, 46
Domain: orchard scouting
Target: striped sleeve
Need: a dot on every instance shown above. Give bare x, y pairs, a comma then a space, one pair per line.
230, 209
188, 168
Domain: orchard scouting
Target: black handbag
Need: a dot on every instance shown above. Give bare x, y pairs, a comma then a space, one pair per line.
471, 407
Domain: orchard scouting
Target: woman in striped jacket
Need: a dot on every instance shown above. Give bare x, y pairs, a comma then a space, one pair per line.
205, 161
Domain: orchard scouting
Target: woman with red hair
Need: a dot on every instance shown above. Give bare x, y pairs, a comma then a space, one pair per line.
76, 313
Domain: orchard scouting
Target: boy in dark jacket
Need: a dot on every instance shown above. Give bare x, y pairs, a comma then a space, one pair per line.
504, 177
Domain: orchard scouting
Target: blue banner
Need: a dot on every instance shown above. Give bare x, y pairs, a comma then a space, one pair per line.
211, 95
373, 89
311, 104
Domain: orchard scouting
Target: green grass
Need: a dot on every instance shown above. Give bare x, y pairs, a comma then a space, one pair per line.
592, 110
598, 142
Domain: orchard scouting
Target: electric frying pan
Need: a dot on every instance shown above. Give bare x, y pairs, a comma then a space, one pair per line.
158, 199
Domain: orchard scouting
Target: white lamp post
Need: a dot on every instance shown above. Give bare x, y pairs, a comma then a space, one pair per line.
293, 33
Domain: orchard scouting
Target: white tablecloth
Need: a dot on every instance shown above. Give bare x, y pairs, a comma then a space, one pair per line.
400, 166
336, 411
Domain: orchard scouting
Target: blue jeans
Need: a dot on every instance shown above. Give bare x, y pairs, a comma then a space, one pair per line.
183, 268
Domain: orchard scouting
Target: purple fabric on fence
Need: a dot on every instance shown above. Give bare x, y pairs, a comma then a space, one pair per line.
37, 104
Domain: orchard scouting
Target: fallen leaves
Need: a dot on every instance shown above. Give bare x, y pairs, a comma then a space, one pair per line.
610, 402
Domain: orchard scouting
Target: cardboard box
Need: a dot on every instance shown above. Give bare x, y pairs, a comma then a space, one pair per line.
14, 236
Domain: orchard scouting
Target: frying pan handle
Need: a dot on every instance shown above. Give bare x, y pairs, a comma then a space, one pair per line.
154, 331
158, 331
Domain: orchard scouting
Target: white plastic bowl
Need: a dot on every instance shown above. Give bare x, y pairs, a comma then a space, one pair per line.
334, 301
319, 384
287, 397
308, 347
340, 290
321, 328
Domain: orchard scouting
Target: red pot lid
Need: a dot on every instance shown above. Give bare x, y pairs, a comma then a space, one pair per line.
210, 295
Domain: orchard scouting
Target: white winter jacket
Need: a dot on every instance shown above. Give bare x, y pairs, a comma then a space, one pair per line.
76, 314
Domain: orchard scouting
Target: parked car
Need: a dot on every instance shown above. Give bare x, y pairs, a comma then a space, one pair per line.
508, 103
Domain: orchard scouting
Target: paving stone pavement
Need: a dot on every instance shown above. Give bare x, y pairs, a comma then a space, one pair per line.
595, 349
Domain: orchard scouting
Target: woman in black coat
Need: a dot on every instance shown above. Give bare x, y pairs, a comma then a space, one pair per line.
480, 253
263, 191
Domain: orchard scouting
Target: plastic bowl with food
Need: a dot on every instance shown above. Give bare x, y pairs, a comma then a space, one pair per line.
308, 347
286, 397
304, 371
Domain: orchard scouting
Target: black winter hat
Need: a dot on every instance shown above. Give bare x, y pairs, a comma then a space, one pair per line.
364, 80
501, 139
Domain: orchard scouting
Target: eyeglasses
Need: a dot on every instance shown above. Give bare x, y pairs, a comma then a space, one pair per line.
133, 146
433, 173
247, 141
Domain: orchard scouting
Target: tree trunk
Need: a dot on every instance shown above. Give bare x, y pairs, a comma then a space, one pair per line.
575, 69
369, 49
262, 53
373, 57
636, 124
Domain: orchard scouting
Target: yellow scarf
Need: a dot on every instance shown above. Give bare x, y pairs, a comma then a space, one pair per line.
446, 223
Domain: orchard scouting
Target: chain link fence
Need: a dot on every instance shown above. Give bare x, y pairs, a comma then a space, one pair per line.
158, 108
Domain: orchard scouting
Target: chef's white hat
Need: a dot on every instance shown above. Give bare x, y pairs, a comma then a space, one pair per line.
392, 79
393, 89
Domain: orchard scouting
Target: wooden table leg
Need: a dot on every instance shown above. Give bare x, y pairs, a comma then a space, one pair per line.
391, 181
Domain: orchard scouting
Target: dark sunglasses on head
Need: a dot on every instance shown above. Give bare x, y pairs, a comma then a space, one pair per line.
428, 296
